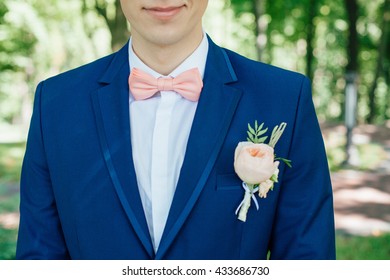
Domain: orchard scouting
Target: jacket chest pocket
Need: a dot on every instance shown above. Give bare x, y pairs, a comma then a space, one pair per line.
228, 182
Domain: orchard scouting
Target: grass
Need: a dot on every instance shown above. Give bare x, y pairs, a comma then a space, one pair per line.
9, 203
7, 243
11, 155
363, 247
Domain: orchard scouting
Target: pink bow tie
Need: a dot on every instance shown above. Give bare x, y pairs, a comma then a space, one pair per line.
188, 84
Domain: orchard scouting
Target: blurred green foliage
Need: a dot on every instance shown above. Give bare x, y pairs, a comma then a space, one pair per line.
11, 155
286, 24
40, 38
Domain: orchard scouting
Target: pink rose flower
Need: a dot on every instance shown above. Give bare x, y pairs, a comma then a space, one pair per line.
254, 163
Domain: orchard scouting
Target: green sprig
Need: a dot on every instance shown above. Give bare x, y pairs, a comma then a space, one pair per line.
276, 134
286, 161
255, 135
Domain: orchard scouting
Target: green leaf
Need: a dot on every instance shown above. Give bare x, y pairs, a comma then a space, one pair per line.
251, 130
260, 127
287, 162
251, 137
261, 132
262, 139
274, 130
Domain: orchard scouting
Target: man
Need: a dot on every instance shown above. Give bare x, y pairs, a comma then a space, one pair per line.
110, 173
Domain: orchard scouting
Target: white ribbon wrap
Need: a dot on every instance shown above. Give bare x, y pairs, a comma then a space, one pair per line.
246, 202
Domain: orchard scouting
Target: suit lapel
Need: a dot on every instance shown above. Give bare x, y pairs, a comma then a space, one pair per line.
111, 106
212, 119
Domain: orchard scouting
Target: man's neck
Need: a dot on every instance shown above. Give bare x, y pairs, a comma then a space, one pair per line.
165, 58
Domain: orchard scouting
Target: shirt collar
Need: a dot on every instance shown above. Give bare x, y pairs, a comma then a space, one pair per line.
196, 60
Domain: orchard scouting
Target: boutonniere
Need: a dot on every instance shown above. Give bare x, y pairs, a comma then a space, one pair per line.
257, 165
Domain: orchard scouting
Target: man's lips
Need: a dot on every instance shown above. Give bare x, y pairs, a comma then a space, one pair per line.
164, 12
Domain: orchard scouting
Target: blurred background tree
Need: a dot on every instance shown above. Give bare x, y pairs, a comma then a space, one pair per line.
323, 39
326, 39
39, 39
112, 14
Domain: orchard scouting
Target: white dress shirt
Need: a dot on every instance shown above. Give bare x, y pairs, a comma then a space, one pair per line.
160, 127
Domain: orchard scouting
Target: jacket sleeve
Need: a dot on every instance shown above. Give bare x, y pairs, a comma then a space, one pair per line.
304, 222
40, 234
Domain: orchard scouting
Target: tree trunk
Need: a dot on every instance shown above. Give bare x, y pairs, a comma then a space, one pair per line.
383, 44
261, 27
386, 73
310, 38
116, 24
352, 49
353, 43
351, 94
118, 28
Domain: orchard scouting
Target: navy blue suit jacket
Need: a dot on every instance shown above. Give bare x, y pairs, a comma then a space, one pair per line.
79, 193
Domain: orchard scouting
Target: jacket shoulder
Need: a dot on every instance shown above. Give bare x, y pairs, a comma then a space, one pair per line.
89, 72
251, 70
82, 80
